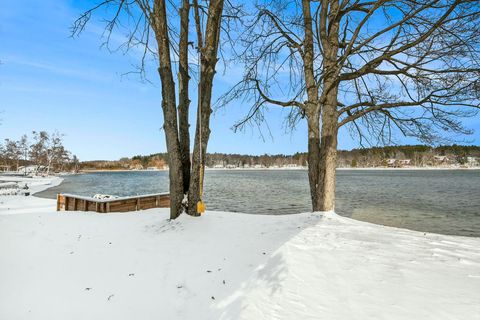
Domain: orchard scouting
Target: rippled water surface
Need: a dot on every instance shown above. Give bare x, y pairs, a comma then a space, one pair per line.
441, 201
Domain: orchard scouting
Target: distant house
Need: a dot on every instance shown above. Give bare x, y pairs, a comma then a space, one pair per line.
391, 162
471, 161
394, 163
292, 165
136, 167
218, 166
441, 159
32, 169
404, 162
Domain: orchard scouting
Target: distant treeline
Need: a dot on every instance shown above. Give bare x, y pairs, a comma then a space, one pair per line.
419, 155
40, 152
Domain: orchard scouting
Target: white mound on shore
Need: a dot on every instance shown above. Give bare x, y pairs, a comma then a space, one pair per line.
227, 266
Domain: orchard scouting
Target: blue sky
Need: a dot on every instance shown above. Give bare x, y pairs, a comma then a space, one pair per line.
50, 81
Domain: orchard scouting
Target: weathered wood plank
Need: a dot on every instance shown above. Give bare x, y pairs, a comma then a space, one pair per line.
74, 203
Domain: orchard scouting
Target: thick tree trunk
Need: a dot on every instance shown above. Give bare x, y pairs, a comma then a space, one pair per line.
184, 101
173, 147
328, 155
208, 62
312, 106
169, 109
325, 200
313, 155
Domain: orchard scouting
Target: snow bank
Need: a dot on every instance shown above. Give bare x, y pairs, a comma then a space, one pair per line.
35, 184
227, 266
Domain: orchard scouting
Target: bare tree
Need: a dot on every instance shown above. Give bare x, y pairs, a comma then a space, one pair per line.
13, 152
23, 146
38, 148
377, 66
48, 150
207, 42
151, 26
75, 164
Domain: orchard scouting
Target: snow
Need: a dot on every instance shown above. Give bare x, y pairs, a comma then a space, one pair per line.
222, 265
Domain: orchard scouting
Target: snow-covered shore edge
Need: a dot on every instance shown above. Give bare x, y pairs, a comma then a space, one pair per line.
225, 265
35, 184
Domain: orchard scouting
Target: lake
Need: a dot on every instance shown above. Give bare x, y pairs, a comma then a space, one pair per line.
440, 201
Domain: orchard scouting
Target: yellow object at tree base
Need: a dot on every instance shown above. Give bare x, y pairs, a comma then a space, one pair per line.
200, 207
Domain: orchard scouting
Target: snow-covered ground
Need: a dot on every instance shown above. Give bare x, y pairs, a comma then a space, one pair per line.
223, 265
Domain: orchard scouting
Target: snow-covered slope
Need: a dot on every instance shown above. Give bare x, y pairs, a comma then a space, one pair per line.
227, 266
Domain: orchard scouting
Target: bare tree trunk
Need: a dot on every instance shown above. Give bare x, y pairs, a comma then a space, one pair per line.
49, 162
312, 106
208, 62
169, 109
313, 156
184, 101
328, 142
194, 189
328, 153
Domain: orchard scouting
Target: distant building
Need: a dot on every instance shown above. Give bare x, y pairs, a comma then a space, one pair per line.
441, 159
136, 167
404, 162
394, 163
471, 161
32, 169
391, 162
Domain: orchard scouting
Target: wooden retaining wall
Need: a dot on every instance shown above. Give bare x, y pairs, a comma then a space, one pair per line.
69, 202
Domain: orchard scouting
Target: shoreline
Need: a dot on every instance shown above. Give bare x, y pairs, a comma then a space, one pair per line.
44, 183
39, 184
11, 177
35, 184
293, 169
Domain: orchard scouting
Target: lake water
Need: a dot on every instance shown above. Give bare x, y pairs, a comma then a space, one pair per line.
440, 201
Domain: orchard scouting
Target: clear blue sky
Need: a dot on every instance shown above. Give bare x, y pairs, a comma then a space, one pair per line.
49, 81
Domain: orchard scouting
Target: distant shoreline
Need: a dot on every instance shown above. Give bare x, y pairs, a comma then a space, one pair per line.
293, 169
